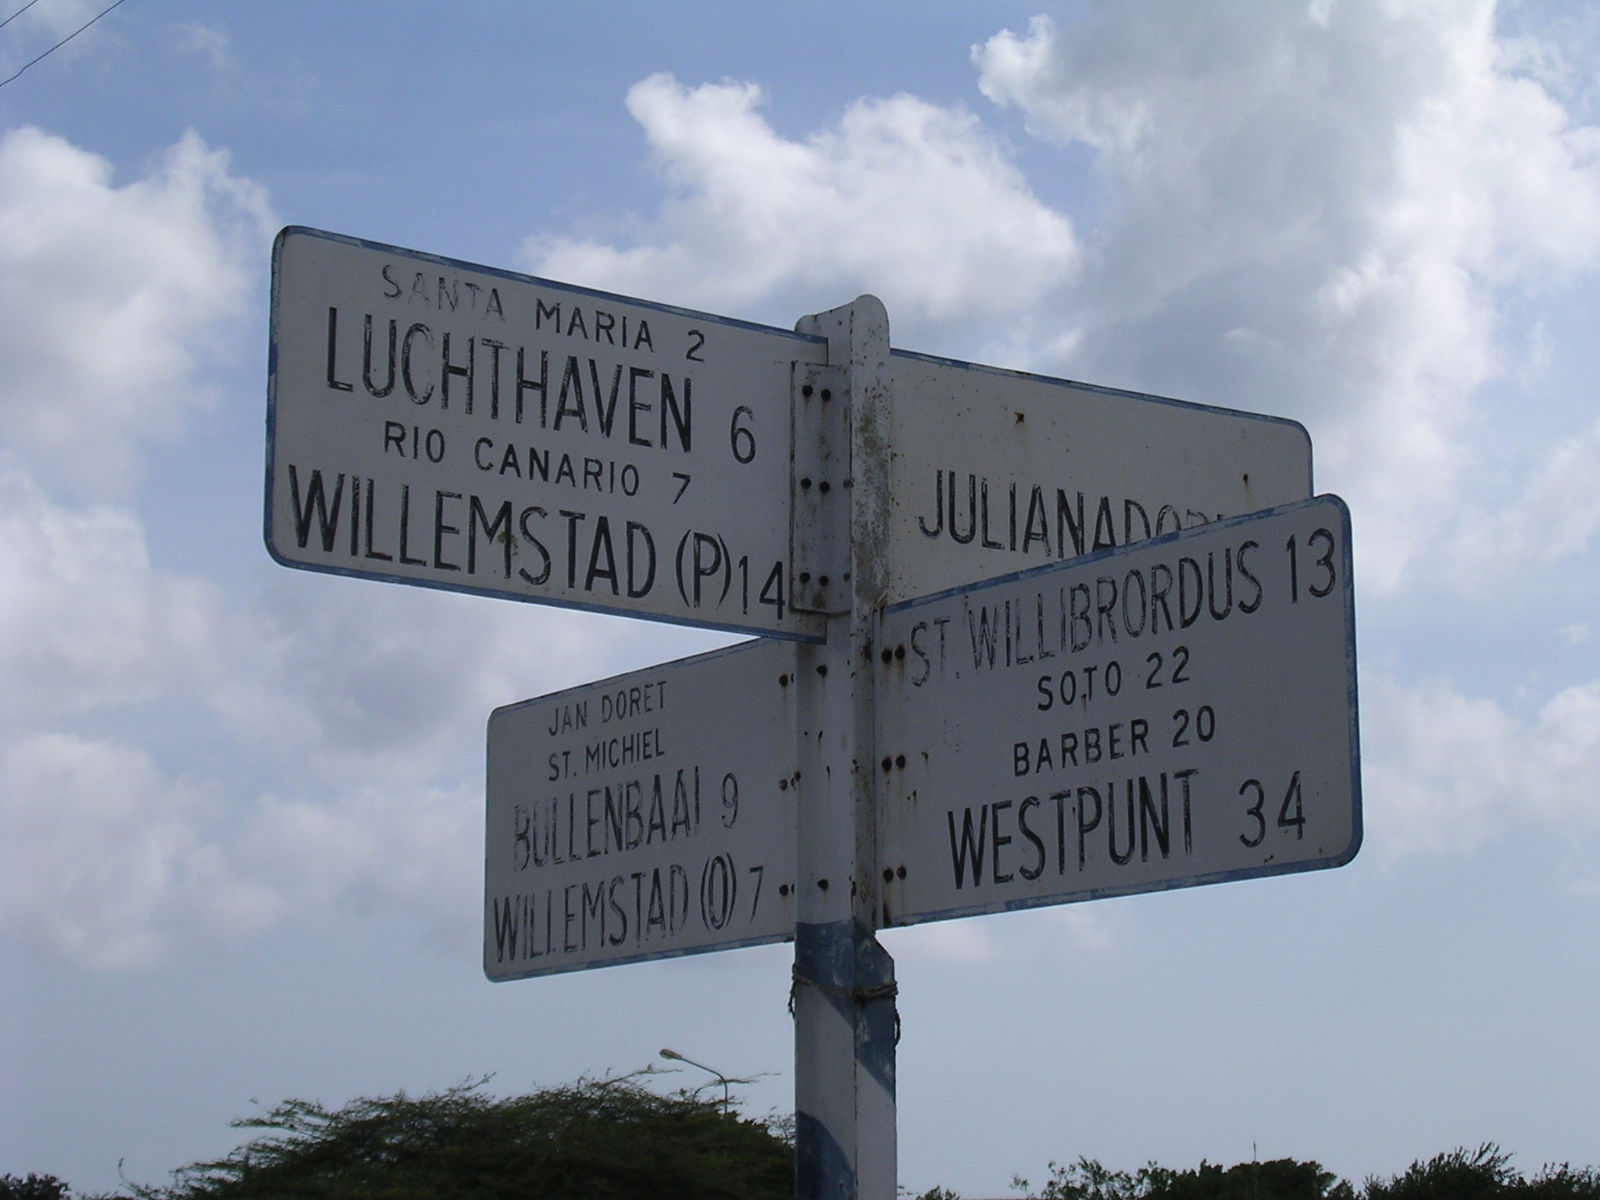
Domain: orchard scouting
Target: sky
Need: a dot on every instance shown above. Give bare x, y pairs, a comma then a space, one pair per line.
242, 807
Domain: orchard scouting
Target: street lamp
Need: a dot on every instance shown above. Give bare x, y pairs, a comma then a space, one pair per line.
674, 1056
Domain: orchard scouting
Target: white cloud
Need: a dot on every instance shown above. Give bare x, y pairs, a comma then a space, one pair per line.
372, 851
1445, 772
114, 299
332, 733
105, 860
366, 683
205, 42
62, 16
1086, 929
1309, 212
1305, 218
1555, 516
1315, 211
84, 621
904, 199
109, 862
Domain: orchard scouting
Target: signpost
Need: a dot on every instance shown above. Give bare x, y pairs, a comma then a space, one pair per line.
996, 471
1173, 713
644, 816
442, 424
1029, 641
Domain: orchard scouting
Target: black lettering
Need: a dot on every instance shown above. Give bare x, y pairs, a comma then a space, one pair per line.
1086, 823
1191, 591
447, 370
497, 531
678, 413
543, 574
938, 508
414, 332
636, 405
998, 840
315, 506
440, 529
1246, 574
1030, 871
966, 852
333, 337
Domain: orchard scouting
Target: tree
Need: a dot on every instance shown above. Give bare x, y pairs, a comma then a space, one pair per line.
34, 1187
1484, 1173
1281, 1179
606, 1139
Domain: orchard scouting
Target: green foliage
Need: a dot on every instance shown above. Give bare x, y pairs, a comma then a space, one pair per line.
1282, 1179
1485, 1173
34, 1187
1459, 1175
1456, 1176
601, 1140
1086, 1179
613, 1139
1564, 1183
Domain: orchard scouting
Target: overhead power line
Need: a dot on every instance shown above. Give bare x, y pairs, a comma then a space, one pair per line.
18, 13
59, 44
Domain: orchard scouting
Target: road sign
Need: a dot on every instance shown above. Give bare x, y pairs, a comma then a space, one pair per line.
995, 471
648, 815
454, 426
1173, 713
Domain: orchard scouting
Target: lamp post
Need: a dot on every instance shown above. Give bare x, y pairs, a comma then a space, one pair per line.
674, 1056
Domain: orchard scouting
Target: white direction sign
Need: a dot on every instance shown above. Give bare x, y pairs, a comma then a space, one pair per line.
994, 471
449, 425
1173, 713
647, 815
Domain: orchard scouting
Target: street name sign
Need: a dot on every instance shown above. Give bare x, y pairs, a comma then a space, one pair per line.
644, 816
994, 471
438, 423
1173, 713
1114, 633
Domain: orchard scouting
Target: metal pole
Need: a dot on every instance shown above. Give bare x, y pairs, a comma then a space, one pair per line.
844, 989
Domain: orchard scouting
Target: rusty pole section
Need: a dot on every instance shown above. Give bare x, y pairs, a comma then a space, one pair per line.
844, 990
